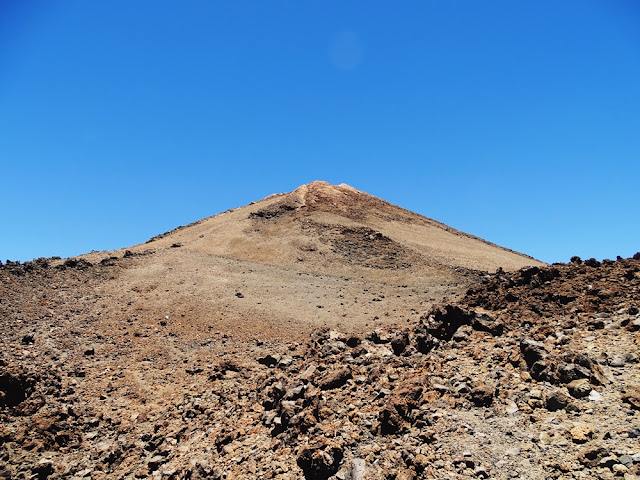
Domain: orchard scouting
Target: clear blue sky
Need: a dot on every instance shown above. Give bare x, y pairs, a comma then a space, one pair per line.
515, 121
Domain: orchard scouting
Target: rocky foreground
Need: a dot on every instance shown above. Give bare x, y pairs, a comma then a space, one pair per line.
532, 375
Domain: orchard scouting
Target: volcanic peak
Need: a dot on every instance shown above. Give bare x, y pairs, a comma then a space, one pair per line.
342, 200
332, 229
322, 188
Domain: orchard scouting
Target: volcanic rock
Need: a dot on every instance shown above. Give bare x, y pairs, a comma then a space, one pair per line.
426, 360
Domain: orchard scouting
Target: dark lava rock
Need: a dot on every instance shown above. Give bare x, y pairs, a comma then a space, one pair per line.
424, 341
399, 343
532, 351
43, 469
273, 395
390, 420
268, 360
484, 323
634, 433
353, 341
443, 321
591, 455
76, 263
380, 337
109, 261
155, 462
320, 460
576, 365
568, 372
273, 211
14, 387
592, 262
482, 395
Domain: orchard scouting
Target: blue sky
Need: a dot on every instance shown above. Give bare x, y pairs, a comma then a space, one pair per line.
518, 122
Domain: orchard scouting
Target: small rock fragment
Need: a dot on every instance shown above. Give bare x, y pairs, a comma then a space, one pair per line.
269, 360
482, 395
626, 460
619, 469
358, 469
617, 361
399, 343
334, 379
556, 401
353, 341
155, 462
632, 397
320, 460
43, 469
581, 433
484, 323
634, 433
579, 388
595, 396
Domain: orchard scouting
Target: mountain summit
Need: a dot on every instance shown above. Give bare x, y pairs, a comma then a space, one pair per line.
333, 227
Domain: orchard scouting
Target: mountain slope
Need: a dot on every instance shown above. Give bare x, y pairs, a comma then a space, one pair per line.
321, 255
346, 227
531, 374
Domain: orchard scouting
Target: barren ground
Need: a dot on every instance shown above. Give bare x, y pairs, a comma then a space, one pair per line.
322, 334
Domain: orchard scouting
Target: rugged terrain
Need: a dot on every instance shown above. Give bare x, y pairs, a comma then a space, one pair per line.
361, 347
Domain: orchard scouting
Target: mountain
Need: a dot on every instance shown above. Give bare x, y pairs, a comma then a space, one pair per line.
322, 255
322, 334
335, 228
